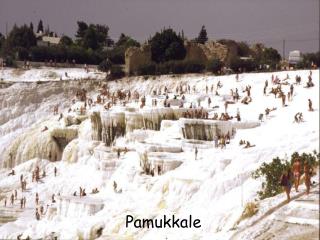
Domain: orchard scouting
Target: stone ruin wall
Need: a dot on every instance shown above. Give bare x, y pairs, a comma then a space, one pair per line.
135, 57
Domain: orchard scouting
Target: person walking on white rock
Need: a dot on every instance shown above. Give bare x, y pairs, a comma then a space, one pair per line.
285, 182
195, 153
12, 199
307, 176
296, 169
37, 198
310, 105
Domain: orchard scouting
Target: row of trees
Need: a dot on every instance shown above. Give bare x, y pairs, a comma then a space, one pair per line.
93, 45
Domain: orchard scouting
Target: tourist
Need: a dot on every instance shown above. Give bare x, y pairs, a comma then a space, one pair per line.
307, 176
310, 105
37, 198
115, 186
12, 173
222, 142
283, 98
296, 169
118, 153
12, 199
309, 83
248, 145
285, 182
209, 101
195, 153
37, 214
291, 90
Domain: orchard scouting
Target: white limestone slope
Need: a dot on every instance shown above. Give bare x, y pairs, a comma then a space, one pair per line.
48, 74
214, 188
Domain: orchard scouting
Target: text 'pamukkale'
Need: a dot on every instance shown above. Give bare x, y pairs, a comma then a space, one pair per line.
164, 222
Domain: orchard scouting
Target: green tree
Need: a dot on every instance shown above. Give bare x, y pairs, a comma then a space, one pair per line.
90, 39
308, 59
2, 40
270, 56
65, 41
116, 72
31, 26
117, 53
20, 37
94, 36
126, 41
105, 65
166, 46
271, 172
82, 28
243, 49
40, 26
214, 65
202, 37
242, 65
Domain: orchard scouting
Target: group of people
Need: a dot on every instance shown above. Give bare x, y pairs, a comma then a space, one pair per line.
293, 176
23, 183
246, 144
196, 113
13, 197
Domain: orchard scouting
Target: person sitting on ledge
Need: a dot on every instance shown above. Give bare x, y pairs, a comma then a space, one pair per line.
12, 173
248, 145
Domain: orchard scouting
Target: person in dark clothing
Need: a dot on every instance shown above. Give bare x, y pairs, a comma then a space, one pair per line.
285, 182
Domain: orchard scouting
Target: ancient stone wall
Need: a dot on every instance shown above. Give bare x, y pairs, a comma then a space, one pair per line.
135, 57
201, 53
204, 52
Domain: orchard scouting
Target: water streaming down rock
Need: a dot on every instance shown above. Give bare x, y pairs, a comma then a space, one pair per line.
203, 129
96, 126
78, 207
108, 125
113, 126
39, 144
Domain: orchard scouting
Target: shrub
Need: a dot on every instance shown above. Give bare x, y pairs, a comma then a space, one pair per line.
308, 59
105, 65
238, 65
193, 67
272, 173
214, 65
165, 68
147, 69
116, 55
178, 68
116, 72
10, 62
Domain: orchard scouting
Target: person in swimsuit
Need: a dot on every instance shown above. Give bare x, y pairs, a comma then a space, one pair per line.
296, 169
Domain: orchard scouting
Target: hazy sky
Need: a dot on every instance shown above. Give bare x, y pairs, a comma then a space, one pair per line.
268, 21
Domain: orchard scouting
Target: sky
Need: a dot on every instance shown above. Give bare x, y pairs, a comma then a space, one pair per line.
266, 21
